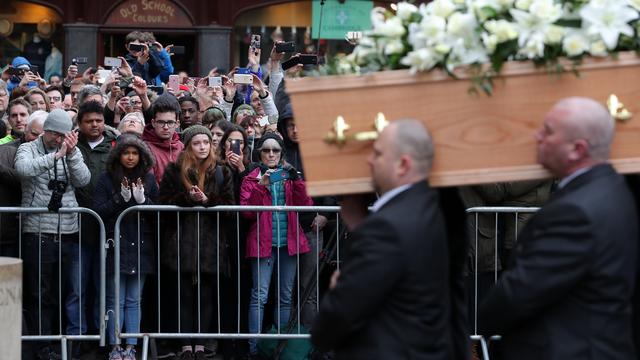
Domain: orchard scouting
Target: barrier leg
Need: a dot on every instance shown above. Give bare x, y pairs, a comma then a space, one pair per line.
63, 348
485, 349
145, 347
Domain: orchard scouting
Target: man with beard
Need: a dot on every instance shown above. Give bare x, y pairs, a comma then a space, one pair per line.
19, 111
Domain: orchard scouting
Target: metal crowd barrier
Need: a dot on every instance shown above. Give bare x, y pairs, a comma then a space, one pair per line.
497, 211
218, 210
61, 336
236, 210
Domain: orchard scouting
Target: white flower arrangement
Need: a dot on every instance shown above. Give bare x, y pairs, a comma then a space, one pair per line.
447, 34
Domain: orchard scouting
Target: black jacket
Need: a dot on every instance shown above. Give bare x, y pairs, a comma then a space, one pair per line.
567, 292
209, 240
394, 298
109, 204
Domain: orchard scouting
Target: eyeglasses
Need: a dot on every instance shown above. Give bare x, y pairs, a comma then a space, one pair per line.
168, 124
267, 150
52, 98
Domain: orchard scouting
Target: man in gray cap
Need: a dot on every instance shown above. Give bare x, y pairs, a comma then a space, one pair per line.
51, 167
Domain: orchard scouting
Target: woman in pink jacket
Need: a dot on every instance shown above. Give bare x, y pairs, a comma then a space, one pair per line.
275, 238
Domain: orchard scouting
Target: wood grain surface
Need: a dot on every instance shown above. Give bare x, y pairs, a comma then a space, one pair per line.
478, 138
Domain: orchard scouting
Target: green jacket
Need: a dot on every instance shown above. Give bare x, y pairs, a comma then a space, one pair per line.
96, 160
532, 193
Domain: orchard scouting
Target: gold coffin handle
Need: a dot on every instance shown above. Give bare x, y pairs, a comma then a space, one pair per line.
338, 135
617, 109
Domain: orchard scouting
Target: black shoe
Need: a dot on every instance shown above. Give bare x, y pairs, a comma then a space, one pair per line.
47, 354
201, 355
186, 355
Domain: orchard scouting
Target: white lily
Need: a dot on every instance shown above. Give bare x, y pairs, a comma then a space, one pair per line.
405, 10
441, 8
421, 60
534, 23
598, 48
554, 34
462, 24
523, 4
608, 21
466, 53
429, 31
490, 42
503, 29
392, 27
534, 47
393, 47
575, 44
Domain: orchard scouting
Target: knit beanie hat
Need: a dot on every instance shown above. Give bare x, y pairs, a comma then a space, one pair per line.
59, 121
194, 130
242, 107
272, 136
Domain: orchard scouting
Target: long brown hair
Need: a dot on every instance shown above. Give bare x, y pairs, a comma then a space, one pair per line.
192, 171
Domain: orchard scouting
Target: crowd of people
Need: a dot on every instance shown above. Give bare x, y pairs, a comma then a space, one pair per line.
111, 143
130, 139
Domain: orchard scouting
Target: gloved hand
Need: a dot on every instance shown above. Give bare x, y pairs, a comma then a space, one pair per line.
125, 190
138, 191
293, 173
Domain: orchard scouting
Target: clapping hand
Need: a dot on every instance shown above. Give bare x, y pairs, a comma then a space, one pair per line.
138, 191
125, 190
70, 140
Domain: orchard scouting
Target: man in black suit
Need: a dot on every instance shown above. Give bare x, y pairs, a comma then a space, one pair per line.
567, 292
393, 298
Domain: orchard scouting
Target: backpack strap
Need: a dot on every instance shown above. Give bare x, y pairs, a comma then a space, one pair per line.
219, 176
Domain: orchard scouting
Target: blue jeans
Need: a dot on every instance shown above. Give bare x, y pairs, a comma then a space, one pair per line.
262, 270
77, 263
41, 254
130, 293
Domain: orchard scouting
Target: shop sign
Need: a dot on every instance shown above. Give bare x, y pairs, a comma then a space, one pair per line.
338, 18
151, 13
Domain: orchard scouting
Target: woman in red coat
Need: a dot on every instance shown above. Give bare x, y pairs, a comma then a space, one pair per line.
275, 238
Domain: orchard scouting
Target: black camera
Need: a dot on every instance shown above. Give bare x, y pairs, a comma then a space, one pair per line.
58, 187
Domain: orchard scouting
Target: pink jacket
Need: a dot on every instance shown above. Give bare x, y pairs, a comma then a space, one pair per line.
252, 193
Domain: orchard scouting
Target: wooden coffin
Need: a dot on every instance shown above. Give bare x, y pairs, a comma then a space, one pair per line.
478, 138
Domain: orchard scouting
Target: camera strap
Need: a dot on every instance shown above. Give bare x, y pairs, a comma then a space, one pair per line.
64, 170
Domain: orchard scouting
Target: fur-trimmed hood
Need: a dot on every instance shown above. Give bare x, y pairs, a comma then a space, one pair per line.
146, 157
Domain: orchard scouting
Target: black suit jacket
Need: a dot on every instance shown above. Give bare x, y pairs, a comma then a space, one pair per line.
567, 293
393, 299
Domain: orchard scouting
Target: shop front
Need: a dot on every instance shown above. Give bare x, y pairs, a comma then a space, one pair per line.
213, 33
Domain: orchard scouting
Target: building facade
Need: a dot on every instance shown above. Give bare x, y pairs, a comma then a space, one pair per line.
215, 33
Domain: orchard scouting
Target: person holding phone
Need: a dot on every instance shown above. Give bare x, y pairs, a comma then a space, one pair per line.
232, 152
275, 247
193, 250
143, 59
21, 75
